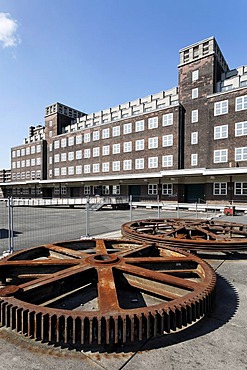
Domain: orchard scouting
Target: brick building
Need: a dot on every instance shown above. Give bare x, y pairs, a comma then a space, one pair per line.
185, 144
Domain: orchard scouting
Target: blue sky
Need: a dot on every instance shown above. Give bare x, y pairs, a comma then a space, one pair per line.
95, 54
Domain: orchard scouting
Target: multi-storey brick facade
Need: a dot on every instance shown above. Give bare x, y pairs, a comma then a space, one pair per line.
184, 144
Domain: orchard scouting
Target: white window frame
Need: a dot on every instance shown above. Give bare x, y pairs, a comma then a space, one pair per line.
78, 139
139, 145
64, 142
63, 171
167, 160
153, 142
78, 154
167, 140
220, 188
116, 131
194, 93
116, 148
153, 162
127, 128
241, 103
139, 125
71, 141
241, 154
78, 170
105, 167
87, 137
106, 150
115, 166
194, 137
194, 116
127, 146
152, 123
56, 159
96, 135
96, 151
71, 170
167, 119
71, 156
221, 132
96, 168
241, 128
220, 107
167, 189
127, 164
220, 156
194, 159
139, 163
106, 133
86, 168
240, 188
195, 75
152, 189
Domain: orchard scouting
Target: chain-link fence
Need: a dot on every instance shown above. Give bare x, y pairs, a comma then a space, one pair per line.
26, 226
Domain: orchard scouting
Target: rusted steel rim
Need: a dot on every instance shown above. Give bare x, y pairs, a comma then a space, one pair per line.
189, 234
102, 291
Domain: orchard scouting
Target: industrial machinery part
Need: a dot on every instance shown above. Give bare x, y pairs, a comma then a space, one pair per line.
189, 234
95, 292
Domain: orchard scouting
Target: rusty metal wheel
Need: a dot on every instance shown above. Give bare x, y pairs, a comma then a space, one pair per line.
97, 292
189, 234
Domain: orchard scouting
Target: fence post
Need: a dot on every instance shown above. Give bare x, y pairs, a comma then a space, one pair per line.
10, 225
130, 207
87, 219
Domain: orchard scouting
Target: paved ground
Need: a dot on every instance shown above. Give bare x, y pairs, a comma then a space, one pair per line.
219, 341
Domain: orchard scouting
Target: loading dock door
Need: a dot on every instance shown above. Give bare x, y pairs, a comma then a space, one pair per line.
135, 191
194, 193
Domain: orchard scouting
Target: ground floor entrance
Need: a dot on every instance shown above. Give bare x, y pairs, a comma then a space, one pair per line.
194, 193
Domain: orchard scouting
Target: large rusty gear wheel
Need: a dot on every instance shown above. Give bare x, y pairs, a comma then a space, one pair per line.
102, 292
189, 234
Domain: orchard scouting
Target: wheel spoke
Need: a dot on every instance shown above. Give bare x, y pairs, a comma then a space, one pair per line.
107, 294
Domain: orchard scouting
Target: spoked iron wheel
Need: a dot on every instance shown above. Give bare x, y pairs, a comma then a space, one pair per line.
189, 234
101, 292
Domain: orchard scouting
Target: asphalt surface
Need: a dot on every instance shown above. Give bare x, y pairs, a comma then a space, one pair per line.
218, 341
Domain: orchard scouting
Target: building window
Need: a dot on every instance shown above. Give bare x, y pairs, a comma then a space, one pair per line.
56, 190
96, 168
105, 167
127, 147
116, 166
63, 190
14, 165
153, 162
167, 119
56, 145
195, 75
152, 123
50, 147
38, 161
27, 162
241, 128
220, 132
71, 141
127, 128
56, 172
167, 161
220, 188
116, 131
220, 156
18, 152
194, 137
139, 126
14, 154
194, 116
105, 133
152, 189
56, 159
71, 170
167, 189
127, 164
96, 152
78, 139
167, 140
78, 170
63, 143
70, 156
28, 150
221, 107
105, 190
241, 103
194, 93
87, 190
139, 164
63, 171
87, 153
106, 150
240, 188
95, 135
139, 144
87, 137
78, 154
87, 168
23, 151
194, 159
18, 163
115, 148
241, 154
153, 142
116, 189
23, 162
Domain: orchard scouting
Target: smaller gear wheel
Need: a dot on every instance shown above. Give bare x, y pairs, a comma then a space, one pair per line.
102, 292
189, 234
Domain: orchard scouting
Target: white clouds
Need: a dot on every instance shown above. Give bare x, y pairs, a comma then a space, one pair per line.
8, 29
